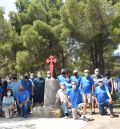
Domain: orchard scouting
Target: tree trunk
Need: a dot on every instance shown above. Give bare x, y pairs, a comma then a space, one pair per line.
96, 54
100, 51
92, 56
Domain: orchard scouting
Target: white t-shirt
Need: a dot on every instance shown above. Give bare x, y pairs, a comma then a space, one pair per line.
61, 94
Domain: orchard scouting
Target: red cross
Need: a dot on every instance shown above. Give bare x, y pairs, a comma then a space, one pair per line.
51, 61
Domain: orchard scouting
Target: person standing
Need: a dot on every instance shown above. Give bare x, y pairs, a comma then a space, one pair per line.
96, 76
117, 85
86, 85
27, 84
14, 85
76, 78
39, 84
1, 96
68, 83
108, 81
103, 98
61, 77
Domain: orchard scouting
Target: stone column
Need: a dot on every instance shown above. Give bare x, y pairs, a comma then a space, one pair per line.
48, 110
51, 88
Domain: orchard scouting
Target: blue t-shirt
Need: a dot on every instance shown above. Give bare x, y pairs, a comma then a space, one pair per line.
86, 83
22, 96
118, 80
61, 78
101, 93
75, 97
27, 84
107, 82
68, 84
77, 79
14, 86
1, 90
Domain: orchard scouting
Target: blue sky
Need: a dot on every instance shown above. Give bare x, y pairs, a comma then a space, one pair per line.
117, 51
8, 5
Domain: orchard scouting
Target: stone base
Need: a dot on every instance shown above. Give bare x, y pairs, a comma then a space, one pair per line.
46, 112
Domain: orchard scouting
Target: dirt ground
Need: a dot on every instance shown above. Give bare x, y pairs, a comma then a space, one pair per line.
97, 122
105, 122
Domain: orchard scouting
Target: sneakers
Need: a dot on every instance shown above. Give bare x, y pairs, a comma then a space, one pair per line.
91, 113
84, 118
66, 117
75, 118
111, 115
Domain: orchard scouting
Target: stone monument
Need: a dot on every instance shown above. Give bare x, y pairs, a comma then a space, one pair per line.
51, 88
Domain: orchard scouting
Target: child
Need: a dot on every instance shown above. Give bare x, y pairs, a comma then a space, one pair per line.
61, 96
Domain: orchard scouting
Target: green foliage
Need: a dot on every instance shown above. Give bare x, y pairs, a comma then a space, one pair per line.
23, 61
80, 33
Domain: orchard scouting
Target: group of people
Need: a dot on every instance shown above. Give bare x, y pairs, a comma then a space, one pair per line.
18, 96
76, 93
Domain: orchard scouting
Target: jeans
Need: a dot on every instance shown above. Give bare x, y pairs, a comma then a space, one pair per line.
118, 94
24, 110
0, 104
102, 108
64, 107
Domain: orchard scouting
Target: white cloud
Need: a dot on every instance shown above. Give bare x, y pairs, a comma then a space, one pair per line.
8, 5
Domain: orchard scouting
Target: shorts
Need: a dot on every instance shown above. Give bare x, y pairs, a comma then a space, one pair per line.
74, 110
87, 98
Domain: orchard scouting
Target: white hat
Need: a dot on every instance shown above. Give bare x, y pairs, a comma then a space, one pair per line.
75, 71
100, 80
86, 71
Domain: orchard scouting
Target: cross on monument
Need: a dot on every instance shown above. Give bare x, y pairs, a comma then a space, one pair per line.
51, 61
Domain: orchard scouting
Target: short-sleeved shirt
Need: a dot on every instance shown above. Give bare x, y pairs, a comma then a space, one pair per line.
101, 93
61, 78
61, 94
1, 90
96, 79
118, 80
86, 83
8, 100
14, 86
27, 84
75, 97
107, 82
22, 96
68, 84
77, 79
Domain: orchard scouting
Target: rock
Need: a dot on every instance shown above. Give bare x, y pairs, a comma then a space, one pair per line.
47, 112
51, 88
